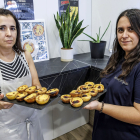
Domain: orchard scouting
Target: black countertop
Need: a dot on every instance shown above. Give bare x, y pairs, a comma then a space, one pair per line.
55, 66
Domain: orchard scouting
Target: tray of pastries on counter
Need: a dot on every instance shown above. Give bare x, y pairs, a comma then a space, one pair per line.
32, 97
82, 96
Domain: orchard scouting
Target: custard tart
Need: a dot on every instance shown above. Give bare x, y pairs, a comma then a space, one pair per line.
53, 92
41, 91
31, 89
42, 99
93, 92
12, 95
66, 98
22, 88
100, 87
86, 97
89, 84
83, 88
76, 102
21, 96
30, 98
76, 93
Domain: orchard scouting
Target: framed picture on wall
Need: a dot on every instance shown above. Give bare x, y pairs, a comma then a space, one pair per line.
34, 39
63, 5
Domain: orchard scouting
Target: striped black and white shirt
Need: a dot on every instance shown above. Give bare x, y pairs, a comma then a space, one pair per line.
14, 69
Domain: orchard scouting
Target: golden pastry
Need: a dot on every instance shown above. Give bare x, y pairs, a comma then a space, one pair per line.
53, 92
76, 102
93, 92
31, 89
22, 88
89, 84
21, 96
31, 98
42, 99
29, 46
100, 87
41, 91
83, 88
86, 97
66, 98
76, 93
12, 95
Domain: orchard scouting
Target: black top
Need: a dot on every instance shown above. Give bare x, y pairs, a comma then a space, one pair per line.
119, 93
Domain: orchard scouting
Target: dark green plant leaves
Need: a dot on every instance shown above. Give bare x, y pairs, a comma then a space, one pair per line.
105, 30
98, 35
69, 28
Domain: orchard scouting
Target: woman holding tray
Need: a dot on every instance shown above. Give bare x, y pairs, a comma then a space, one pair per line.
117, 115
16, 69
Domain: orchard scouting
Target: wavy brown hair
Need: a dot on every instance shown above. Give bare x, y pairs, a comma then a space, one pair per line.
17, 47
118, 53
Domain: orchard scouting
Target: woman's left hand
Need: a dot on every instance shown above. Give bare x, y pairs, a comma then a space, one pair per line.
93, 105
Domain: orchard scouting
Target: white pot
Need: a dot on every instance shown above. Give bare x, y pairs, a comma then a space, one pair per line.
66, 54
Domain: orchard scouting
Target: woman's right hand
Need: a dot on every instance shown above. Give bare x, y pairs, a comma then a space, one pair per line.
4, 105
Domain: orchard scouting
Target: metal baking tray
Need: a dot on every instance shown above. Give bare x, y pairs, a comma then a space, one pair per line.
32, 105
84, 103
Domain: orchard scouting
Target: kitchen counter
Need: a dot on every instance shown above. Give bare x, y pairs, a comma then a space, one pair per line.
55, 66
56, 119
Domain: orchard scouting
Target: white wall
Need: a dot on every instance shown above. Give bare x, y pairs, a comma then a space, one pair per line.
95, 13
45, 9
105, 10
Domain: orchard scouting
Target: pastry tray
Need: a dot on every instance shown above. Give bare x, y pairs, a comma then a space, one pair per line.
84, 103
32, 105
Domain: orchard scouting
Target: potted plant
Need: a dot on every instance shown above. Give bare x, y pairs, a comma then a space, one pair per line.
69, 29
97, 46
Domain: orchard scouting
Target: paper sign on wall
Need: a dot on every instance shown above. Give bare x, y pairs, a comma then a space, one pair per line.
23, 9
63, 4
34, 39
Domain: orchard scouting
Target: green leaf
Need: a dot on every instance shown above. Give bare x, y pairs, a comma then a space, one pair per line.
85, 40
75, 22
90, 37
99, 32
57, 23
61, 34
66, 38
73, 15
77, 28
105, 31
76, 35
97, 37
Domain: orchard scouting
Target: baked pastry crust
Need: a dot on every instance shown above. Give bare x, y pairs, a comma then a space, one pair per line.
66, 98
86, 97
22, 88
12, 95
29, 46
83, 88
76, 93
100, 87
21, 96
38, 30
53, 92
76, 102
42, 99
30, 98
41, 91
31, 89
90, 84
93, 92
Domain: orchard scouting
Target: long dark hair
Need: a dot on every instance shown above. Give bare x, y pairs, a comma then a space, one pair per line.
17, 47
118, 53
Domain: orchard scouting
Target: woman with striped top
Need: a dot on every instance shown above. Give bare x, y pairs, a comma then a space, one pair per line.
16, 69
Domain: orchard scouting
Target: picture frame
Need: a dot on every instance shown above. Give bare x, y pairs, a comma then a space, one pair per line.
34, 39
